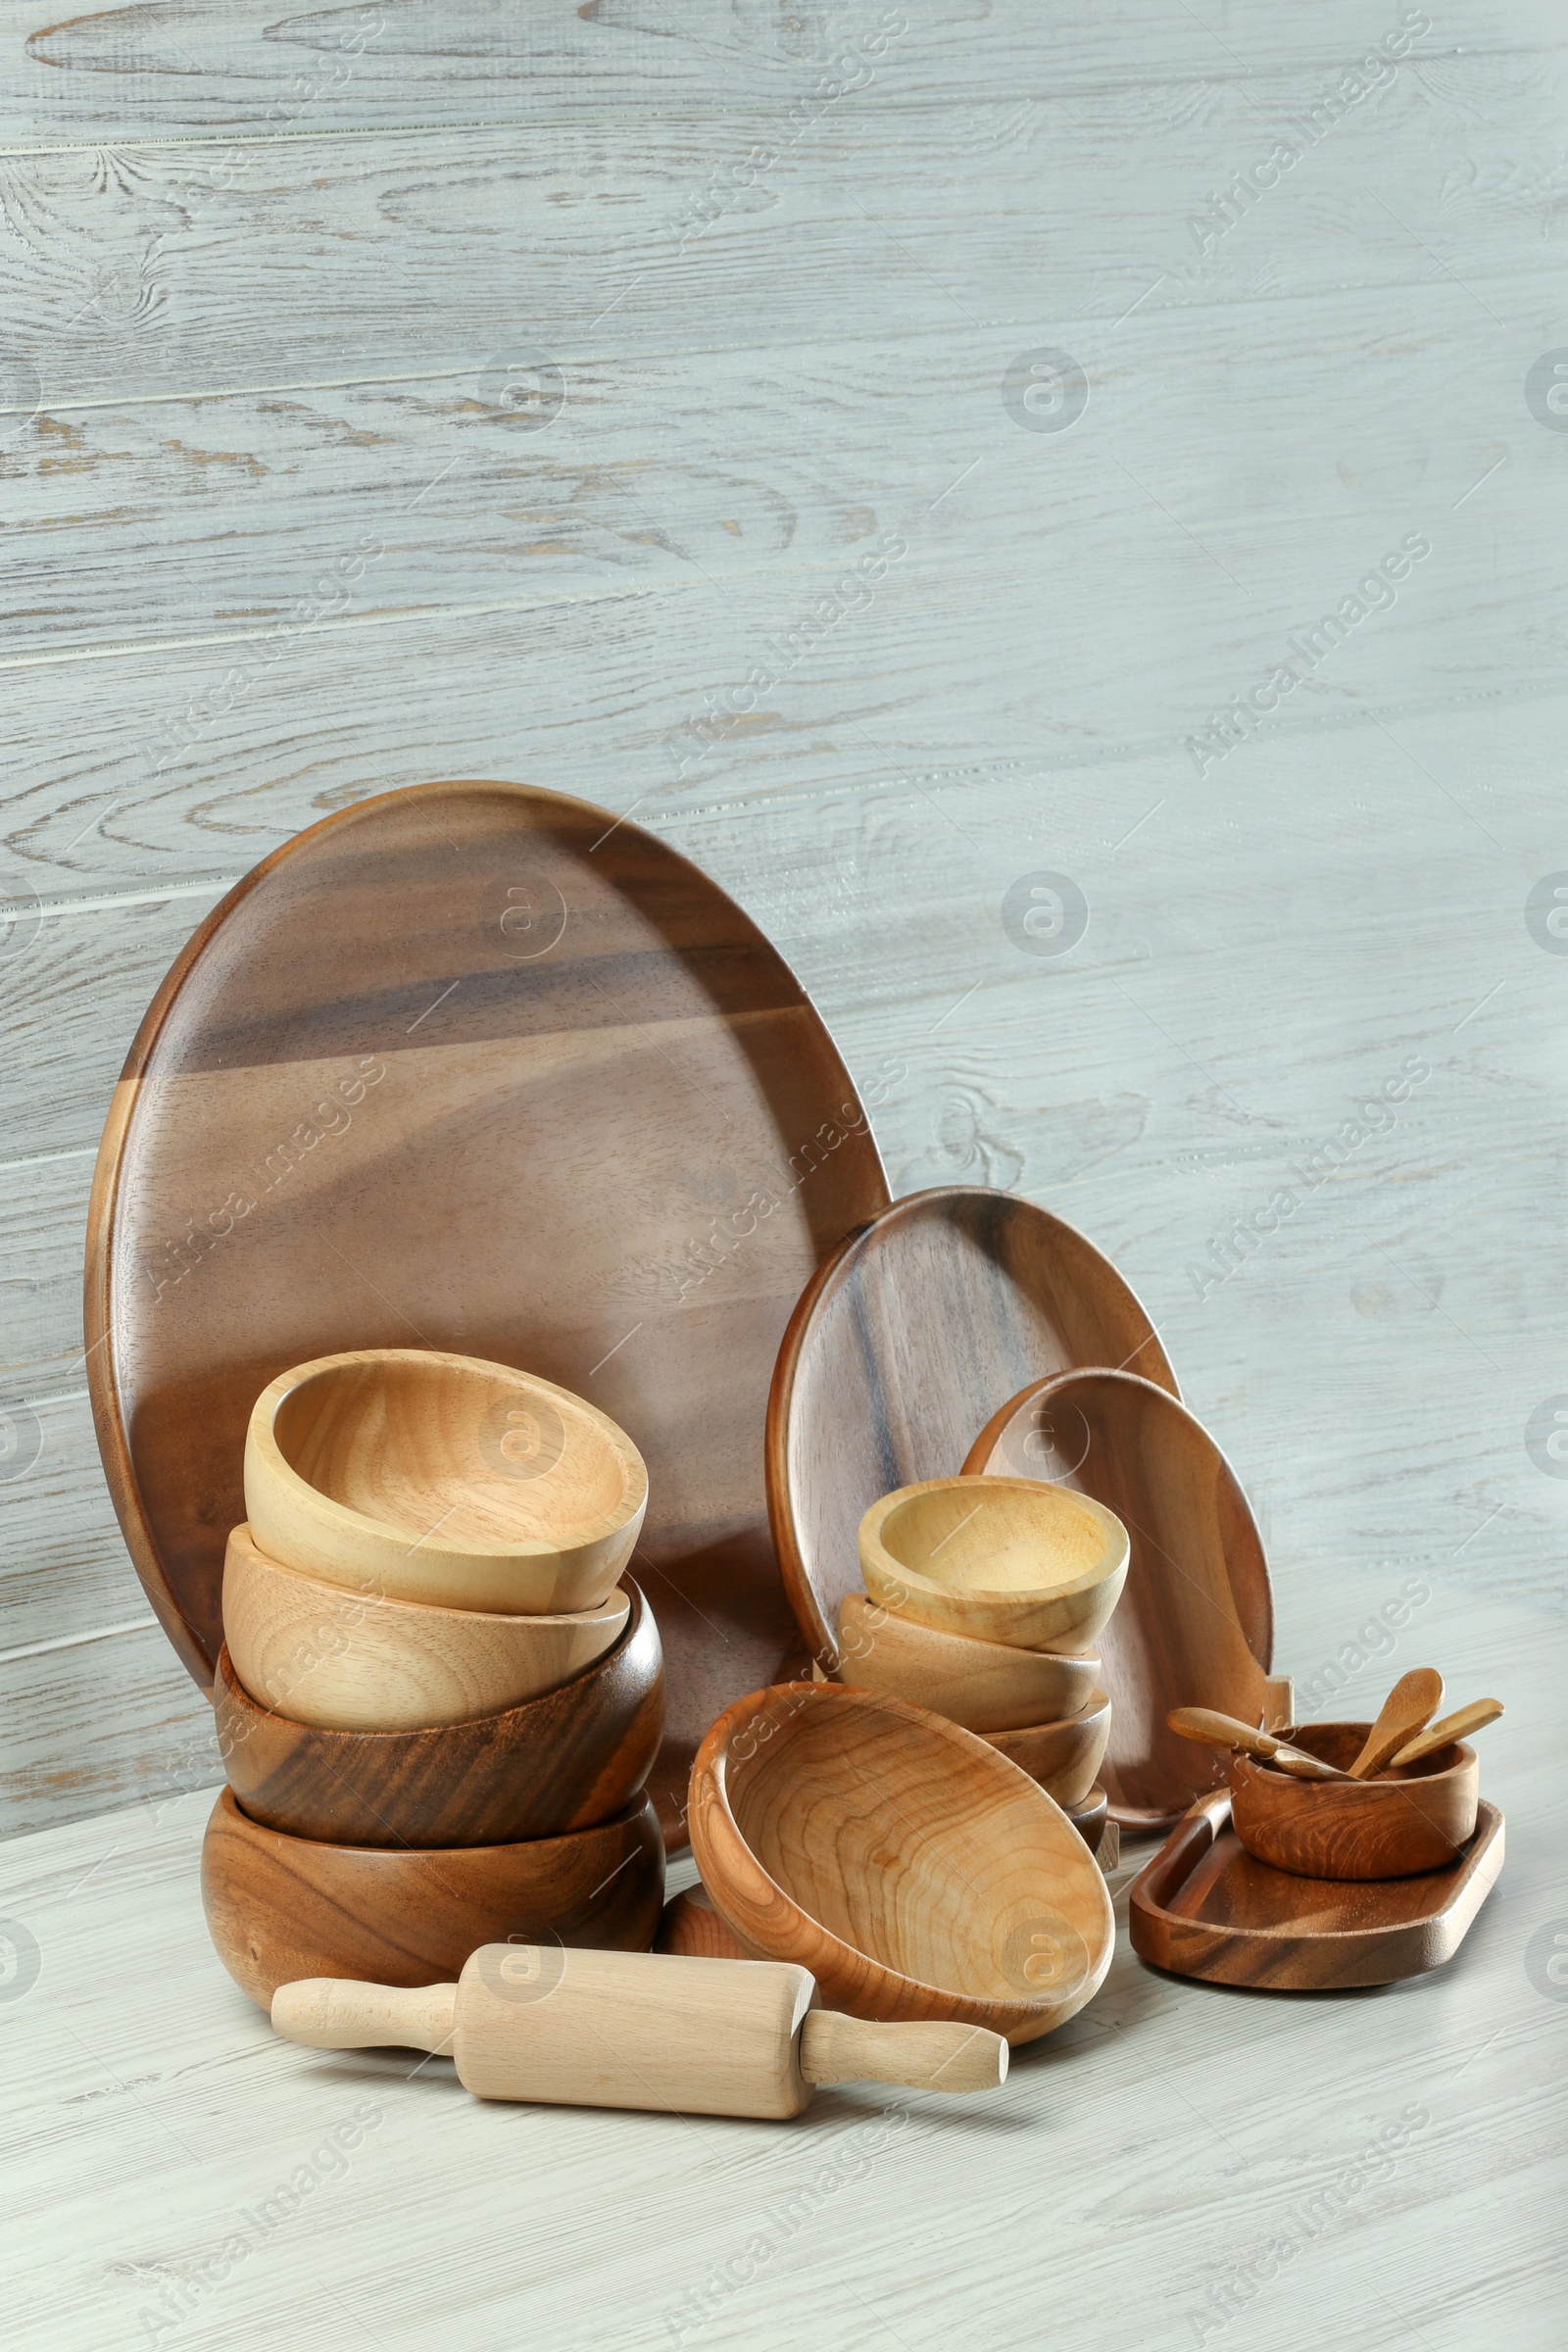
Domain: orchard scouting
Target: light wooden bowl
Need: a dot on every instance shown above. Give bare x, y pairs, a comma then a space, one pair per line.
1000, 1559
322, 1654
279, 1907
441, 1479
986, 1685
912, 1870
566, 1761
1417, 1819
1061, 1758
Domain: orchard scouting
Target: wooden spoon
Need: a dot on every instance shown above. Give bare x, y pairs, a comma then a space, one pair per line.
1457, 1726
1407, 1711
1223, 1730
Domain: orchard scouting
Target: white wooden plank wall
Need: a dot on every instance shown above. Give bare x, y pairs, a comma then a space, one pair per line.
273, 540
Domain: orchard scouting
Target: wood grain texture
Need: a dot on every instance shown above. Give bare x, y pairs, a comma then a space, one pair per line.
1007, 1561
1204, 1907
926, 1876
1407, 1711
1063, 1758
282, 1908
439, 1479
363, 68
566, 1761
353, 1661
903, 1346
690, 1925
1326, 377
560, 999
986, 1685
1414, 1820
641, 2030
1195, 1626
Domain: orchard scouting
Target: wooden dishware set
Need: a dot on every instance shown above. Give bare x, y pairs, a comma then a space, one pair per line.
570, 1123
438, 1700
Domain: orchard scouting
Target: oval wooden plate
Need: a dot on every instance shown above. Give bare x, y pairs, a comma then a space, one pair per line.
478, 1068
1195, 1625
903, 1346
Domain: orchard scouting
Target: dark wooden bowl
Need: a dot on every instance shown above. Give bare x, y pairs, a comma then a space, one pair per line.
564, 1761
1417, 1819
912, 1870
1089, 1819
282, 1908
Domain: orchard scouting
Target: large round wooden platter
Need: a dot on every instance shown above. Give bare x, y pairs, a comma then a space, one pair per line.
911, 1337
1195, 1625
475, 1067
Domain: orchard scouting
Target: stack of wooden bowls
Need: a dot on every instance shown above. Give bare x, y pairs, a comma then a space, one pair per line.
983, 1600
439, 1695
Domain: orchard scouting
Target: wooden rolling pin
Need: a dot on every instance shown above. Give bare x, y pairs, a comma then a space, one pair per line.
655, 2030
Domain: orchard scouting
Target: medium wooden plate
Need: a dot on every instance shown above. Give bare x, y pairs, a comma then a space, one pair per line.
1195, 1625
905, 1343
1204, 1907
475, 1067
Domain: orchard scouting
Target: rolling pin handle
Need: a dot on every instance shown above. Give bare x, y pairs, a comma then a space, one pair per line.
338, 2013
940, 2055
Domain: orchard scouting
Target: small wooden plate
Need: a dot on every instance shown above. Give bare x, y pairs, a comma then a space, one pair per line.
902, 1347
1195, 1625
1204, 1907
478, 1068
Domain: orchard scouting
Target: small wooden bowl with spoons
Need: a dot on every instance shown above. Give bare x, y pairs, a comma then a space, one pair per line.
321, 1654
1413, 1818
443, 1479
998, 1560
915, 1872
986, 1685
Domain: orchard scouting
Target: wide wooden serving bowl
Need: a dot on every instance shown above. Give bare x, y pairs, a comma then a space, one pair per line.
321, 1654
1417, 1819
1000, 1559
438, 1478
281, 1907
986, 1685
916, 1873
1061, 1758
565, 1761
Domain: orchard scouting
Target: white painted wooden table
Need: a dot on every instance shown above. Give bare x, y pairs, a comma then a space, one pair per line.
1180, 2164
501, 388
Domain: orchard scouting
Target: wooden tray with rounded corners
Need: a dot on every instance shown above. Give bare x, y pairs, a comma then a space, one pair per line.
1204, 1907
475, 1067
1195, 1625
904, 1344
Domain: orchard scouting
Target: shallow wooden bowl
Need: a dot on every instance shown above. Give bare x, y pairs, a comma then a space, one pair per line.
912, 1870
565, 1761
1002, 1559
281, 1907
351, 1661
438, 1478
1061, 1758
986, 1685
1417, 1819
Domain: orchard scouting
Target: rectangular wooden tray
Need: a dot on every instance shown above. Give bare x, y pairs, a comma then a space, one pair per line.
1204, 1907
